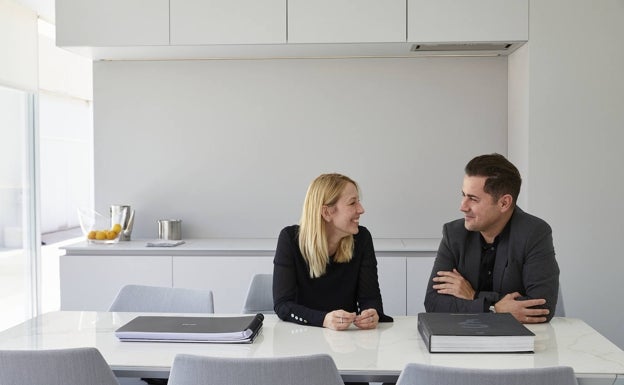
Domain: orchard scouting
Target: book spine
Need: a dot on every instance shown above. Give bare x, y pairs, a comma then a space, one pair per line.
256, 323
425, 333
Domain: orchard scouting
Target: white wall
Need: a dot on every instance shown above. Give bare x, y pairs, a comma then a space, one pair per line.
576, 120
518, 118
230, 147
18, 40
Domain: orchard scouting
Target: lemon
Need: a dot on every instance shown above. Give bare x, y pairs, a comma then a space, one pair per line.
91, 234
111, 235
116, 228
100, 235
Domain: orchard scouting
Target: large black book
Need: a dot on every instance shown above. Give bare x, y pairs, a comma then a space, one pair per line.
474, 333
239, 329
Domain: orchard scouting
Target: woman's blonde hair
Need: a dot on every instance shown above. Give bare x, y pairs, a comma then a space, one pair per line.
323, 191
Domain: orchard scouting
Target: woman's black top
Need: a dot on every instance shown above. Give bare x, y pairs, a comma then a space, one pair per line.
351, 286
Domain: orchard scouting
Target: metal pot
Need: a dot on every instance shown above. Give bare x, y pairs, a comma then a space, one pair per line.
170, 229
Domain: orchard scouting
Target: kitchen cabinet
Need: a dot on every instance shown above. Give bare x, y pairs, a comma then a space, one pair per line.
91, 282
227, 277
418, 272
346, 21
194, 29
99, 23
467, 20
91, 275
392, 283
228, 22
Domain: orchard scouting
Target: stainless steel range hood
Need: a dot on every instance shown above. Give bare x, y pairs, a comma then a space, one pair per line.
464, 47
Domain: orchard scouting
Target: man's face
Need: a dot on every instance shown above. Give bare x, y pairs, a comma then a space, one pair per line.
481, 212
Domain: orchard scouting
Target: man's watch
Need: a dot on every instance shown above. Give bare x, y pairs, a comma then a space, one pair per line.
492, 309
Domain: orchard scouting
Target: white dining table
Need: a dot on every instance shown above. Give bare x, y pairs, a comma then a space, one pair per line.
360, 355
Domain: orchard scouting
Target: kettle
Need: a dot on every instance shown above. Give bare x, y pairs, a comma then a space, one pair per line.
124, 216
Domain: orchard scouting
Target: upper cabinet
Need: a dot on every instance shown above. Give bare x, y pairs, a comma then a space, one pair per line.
99, 23
187, 29
197, 22
467, 20
346, 21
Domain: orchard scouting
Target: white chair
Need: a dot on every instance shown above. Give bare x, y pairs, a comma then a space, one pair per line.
560, 309
301, 370
157, 299
78, 366
260, 295
419, 374
141, 298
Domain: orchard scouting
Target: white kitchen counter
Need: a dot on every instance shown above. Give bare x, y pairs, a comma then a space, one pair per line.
238, 247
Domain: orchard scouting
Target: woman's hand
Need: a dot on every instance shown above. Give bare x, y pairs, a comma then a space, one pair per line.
338, 320
368, 319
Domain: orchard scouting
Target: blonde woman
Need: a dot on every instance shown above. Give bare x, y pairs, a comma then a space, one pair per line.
325, 270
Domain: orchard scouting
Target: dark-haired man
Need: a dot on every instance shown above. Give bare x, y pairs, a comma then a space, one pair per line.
497, 258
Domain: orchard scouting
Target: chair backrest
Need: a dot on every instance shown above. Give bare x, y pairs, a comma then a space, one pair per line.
78, 366
317, 369
260, 295
420, 374
560, 309
141, 298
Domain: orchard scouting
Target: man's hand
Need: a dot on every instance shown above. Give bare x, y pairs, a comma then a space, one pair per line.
521, 309
453, 283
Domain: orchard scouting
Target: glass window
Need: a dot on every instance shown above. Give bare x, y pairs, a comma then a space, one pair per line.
16, 202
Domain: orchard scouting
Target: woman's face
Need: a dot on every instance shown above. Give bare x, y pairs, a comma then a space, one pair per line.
343, 217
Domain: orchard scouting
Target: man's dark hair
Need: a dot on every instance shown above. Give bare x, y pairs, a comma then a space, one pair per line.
502, 176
